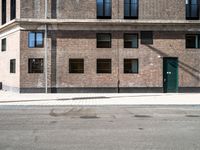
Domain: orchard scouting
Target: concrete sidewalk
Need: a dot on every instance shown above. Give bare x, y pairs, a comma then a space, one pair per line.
8, 98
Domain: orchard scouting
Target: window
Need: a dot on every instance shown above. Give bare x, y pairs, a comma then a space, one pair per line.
146, 37
103, 9
12, 65
130, 9
130, 65
192, 9
35, 65
193, 41
3, 45
3, 9
104, 66
130, 40
12, 9
35, 39
103, 40
76, 66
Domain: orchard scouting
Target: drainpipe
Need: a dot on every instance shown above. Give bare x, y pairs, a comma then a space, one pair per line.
118, 71
46, 47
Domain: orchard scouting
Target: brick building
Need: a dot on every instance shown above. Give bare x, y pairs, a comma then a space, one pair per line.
100, 45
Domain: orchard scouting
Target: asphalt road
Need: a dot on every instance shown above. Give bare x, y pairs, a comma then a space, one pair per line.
97, 128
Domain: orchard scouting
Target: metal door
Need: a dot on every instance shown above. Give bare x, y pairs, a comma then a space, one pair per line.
170, 75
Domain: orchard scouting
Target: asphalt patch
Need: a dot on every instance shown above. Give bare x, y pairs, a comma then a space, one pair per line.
142, 116
89, 117
84, 98
192, 116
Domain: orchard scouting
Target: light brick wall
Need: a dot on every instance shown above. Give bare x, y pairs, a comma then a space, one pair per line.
10, 81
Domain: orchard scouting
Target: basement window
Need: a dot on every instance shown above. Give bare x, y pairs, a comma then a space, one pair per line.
130, 9
12, 65
104, 66
76, 65
103, 9
146, 37
35, 65
103, 40
130, 65
130, 40
3, 44
36, 40
192, 41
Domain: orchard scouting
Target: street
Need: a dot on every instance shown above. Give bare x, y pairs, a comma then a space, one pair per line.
99, 127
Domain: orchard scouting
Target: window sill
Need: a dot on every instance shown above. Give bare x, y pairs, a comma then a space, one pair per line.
104, 17
129, 18
192, 48
192, 18
131, 47
131, 73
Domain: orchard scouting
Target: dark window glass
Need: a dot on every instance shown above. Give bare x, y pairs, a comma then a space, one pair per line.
192, 41
103, 40
3, 21
146, 37
104, 66
130, 9
35, 39
130, 65
76, 66
3, 45
12, 66
192, 9
130, 40
104, 9
13, 9
35, 65
198, 41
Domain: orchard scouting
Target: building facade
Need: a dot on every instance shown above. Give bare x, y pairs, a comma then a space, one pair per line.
100, 45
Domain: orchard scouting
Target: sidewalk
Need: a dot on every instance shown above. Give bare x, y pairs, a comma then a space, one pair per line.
8, 98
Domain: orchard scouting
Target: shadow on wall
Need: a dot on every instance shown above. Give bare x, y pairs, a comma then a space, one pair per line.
91, 34
53, 9
53, 61
190, 70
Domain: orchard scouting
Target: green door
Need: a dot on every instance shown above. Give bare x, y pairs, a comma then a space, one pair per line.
170, 75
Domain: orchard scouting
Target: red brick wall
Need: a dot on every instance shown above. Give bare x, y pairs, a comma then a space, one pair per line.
82, 44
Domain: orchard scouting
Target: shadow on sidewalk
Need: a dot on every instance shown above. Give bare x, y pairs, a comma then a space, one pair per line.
77, 98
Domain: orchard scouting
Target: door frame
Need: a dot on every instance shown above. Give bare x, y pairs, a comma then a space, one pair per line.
177, 76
